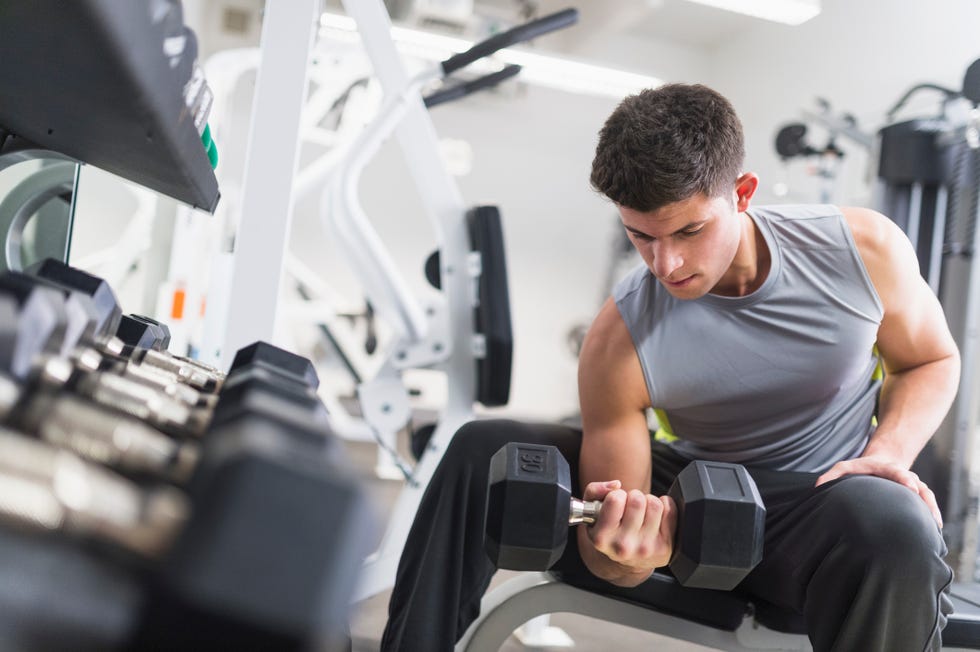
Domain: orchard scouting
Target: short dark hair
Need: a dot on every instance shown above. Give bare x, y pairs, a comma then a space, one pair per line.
668, 144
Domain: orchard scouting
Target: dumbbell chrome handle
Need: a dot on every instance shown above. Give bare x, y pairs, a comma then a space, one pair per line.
187, 372
583, 511
50, 489
143, 402
99, 435
90, 360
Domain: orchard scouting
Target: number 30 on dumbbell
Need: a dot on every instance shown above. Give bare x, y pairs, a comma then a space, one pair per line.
720, 521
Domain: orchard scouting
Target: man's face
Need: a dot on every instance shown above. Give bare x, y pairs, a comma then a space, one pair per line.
688, 245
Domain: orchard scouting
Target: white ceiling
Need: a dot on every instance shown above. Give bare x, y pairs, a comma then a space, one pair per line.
677, 21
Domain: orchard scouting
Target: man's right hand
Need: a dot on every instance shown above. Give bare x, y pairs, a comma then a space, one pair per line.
634, 529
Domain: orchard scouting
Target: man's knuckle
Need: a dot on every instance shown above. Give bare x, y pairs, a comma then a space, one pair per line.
620, 548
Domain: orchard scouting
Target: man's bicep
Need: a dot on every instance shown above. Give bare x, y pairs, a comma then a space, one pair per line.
913, 329
613, 400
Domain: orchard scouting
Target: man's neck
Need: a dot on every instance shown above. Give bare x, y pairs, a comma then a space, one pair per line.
750, 267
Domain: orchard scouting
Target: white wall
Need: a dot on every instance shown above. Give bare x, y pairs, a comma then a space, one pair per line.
861, 55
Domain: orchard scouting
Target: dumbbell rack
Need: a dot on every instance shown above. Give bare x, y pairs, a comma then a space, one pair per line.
238, 523
148, 501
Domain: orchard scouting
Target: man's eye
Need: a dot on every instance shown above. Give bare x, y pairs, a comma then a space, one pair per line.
688, 234
641, 236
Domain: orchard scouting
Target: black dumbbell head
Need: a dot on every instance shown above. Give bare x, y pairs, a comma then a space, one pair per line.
164, 330
277, 360
107, 306
262, 375
302, 412
80, 314
528, 500
259, 376
274, 544
138, 332
32, 322
721, 522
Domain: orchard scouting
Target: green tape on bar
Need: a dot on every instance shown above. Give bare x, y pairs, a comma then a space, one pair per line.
213, 155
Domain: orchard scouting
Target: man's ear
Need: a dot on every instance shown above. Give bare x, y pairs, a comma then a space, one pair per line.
745, 187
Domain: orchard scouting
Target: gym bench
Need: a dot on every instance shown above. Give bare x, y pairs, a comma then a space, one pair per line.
717, 619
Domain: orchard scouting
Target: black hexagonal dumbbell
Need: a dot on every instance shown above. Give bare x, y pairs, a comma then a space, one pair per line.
530, 506
36, 349
258, 391
109, 321
139, 332
107, 307
82, 338
260, 549
41, 393
145, 340
288, 366
270, 554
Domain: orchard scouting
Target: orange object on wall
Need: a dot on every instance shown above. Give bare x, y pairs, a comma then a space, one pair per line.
177, 308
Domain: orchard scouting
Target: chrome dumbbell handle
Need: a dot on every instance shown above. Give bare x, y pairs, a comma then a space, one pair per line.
583, 511
91, 360
143, 403
165, 383
50, 489
187, 372
102, 436
141, 400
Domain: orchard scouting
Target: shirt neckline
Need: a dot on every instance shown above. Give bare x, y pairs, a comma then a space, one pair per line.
775, 267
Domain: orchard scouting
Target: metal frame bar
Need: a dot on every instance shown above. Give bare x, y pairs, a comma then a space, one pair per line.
270, 166
964, 411
531, 594
446, 211
938, 236
915, 215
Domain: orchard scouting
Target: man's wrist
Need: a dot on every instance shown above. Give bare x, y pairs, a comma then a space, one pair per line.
883, 447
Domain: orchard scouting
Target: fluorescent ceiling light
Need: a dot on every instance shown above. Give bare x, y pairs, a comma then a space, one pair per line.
542, 70
788, 12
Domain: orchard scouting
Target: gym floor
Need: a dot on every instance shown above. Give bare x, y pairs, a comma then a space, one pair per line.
589, 634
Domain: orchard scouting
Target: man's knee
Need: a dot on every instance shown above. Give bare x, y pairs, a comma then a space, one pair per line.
477, 441
882, 521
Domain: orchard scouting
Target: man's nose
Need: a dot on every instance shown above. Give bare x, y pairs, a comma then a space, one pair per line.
666, 260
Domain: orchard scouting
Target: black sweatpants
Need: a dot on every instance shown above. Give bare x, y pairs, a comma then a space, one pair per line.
861, 558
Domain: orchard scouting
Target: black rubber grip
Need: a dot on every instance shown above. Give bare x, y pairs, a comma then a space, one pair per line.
462, 90
512, 36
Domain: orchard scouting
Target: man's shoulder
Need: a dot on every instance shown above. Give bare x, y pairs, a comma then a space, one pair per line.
883, 246
795, 214
805, 226
871, 230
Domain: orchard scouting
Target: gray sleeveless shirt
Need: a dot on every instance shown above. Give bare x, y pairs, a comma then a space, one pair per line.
781, 378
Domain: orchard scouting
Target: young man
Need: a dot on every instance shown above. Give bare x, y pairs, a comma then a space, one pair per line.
756, 332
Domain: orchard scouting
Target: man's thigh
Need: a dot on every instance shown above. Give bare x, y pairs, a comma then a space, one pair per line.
867, 515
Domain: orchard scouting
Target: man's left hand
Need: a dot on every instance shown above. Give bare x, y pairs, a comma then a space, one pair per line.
889, 470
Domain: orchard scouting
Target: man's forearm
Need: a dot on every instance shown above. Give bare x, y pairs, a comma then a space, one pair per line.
913, 404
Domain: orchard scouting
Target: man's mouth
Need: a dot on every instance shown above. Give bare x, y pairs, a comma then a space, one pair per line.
680, 283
